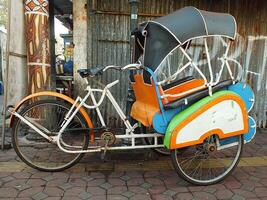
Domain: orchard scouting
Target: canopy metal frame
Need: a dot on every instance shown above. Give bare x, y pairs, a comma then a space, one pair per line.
212, 82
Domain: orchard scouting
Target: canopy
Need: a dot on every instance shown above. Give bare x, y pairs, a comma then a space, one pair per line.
162, 36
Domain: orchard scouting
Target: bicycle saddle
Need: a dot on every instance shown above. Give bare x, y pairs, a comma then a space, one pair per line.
94, 71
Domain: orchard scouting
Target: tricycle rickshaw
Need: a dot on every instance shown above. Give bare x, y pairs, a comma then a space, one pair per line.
201, 120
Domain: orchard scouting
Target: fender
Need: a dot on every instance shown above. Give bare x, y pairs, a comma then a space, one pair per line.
54, 94
224, 114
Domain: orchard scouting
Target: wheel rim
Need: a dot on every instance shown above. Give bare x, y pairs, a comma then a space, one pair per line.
201, 167
37, 151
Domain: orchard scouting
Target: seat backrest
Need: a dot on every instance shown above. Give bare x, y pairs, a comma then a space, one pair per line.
146, 104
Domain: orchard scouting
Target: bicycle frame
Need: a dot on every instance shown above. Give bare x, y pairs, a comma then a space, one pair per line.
81, 102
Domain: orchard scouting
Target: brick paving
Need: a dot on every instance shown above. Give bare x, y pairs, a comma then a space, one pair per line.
133, 175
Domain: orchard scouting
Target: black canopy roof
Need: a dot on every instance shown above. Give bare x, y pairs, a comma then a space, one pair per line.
163, 35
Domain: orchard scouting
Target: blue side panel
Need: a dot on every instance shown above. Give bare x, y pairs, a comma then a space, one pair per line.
252, 130
159, 123
245, 92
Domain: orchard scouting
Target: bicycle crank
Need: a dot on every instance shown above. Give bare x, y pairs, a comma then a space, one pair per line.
109, 139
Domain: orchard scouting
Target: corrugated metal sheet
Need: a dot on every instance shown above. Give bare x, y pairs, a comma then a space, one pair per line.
108, 43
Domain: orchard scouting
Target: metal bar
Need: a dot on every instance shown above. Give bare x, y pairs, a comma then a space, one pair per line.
6, 76
102, 12
52, 43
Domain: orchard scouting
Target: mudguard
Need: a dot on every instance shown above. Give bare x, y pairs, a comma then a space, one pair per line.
58, 95
224, 114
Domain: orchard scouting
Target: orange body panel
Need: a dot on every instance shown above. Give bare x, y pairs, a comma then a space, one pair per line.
58, 95
218, 132
146, 104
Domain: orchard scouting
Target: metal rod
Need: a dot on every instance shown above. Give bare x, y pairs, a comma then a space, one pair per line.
6, 75
102, 12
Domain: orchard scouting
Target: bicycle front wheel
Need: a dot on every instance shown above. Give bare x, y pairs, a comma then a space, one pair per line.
38, 152
207, 164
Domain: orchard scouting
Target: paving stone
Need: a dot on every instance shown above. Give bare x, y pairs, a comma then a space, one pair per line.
203, 195
116, 181
177, 188
261, 191
157, 189
15, 183
248, 187
141, 197
87, 178
154, 181
253, 178
137, 189
135, 181
238, 197
30, 192
23, 187
74, 191
106, 185
98, 197
54, 191
169, 193
224, 194
36, 182
53, 198
128, 194
40, 196
146, 185
57, 182
184, 196
48, 178
161, 197
96, 182
5, 174
117, 190
125, 177
7, 179
96, 190
209, 189
21, 175
244, 193
77, 182
61, 175
85, 195
66, 186
8, 192
116, 197
134, 174
232, 184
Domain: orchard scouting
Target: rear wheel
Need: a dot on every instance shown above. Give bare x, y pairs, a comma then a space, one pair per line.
205, 164
38, 152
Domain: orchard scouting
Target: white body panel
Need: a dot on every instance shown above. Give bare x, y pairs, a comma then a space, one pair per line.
226, 115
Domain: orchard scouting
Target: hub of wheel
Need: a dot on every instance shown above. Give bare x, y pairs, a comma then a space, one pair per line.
211, 148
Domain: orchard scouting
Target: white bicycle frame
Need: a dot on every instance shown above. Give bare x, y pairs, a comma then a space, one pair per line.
81, 102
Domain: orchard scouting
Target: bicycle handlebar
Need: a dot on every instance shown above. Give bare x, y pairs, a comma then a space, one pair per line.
130, 66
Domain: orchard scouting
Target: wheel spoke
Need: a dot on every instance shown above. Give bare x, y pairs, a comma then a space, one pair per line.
203, 164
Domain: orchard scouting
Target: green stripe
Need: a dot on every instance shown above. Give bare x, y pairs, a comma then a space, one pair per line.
180, 117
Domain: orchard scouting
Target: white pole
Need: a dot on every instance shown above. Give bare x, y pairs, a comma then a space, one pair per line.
6, 77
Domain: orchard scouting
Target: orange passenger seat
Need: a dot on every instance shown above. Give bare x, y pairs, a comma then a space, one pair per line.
147, 105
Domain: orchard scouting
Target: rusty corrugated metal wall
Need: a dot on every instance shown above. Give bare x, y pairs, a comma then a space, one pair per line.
108, 41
